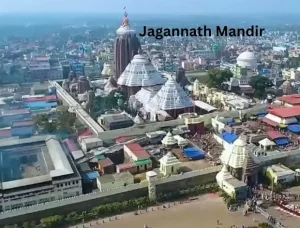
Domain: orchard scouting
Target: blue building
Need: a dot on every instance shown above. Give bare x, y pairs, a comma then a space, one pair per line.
78, 68
265, 72
9, 116
41, 105
25, 128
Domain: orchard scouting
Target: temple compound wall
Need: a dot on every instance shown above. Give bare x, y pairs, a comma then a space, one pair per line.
146, 128
88, 201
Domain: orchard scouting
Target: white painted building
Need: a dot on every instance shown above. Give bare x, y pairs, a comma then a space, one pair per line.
36, 170
117, 180
89, 142
169, 164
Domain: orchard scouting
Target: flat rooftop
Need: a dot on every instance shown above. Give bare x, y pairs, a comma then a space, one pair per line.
31, 161
281, 170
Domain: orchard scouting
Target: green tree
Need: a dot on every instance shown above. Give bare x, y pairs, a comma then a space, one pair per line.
293, 62
41, 119
260, 84
66, 120
51, 126
217, 77
26, 225
72, 217
33, 224
52, 221
264, 225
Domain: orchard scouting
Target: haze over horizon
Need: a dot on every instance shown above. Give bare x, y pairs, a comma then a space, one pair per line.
200, 7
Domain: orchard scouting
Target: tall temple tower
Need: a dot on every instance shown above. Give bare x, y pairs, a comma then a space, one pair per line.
126, 46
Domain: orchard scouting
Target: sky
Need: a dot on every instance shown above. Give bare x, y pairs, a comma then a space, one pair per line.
150, 6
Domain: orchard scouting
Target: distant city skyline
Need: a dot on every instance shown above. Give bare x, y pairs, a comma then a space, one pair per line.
150, 7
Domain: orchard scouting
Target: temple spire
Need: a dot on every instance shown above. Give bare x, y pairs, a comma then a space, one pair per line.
125, 22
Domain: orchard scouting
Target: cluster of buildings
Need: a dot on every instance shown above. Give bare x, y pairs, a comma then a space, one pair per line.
251, 142
36, 170
169, 124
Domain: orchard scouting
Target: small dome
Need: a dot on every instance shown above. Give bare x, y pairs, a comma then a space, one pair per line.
140, 72
240, 142
169, 140
247, 59
169, 154
107, 69
247, 55
171, 96
138, 120
125, 27
223, 175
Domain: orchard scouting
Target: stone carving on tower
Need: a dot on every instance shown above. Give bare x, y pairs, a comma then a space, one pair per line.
181, 79
127, 45
90, 100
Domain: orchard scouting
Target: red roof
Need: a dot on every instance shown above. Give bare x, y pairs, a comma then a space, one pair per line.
37, 99
25, 123
138, 151
275, 135
72, 146
123, 139
105, 163
269, 122
126, 166
285, 112
5, 133
292, 99
15, 111
86, 133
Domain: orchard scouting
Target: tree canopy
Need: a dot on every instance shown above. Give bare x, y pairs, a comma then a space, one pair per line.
217, 77
260, 84
293, 62
62, 120
52, 221
103, 104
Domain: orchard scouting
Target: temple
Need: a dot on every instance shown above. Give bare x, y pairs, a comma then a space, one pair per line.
138, 74
127, 45
172, 99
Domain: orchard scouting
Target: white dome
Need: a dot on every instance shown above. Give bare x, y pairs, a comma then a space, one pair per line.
138, 120
169, 140
247, 59
146, 94
240, 142
125, 30
107, 70
223, 175
140, 72
169, 160
125, 27
235, 157
171, 96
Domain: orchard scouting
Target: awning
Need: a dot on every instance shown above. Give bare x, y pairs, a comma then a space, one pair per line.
281, 142
266, 142
275, 135
231, 123
230, 138
295, 128
269, 122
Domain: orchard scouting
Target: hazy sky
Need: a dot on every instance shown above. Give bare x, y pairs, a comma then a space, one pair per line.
150, 6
